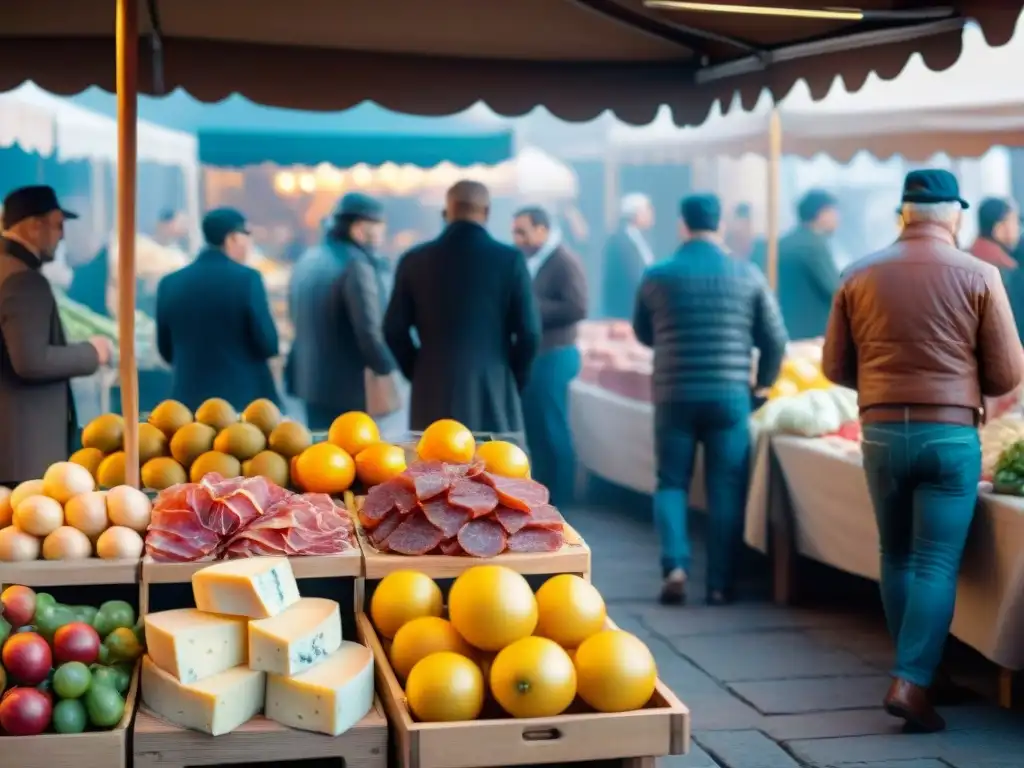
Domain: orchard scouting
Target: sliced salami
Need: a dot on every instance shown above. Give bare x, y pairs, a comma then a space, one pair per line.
475, 497
445, 517
379, 535
451, 547
415, 536
482, 537
427, 479
519, 493
535, 540
380, 500
512, 520
545, 516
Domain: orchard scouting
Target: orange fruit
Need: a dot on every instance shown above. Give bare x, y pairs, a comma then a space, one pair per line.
615, 671
293, 472
353, 431
379, 463
504, 458
569, 610
533, 677
492, 606
419, 638
401, 597
445, 687
447, 440
325, 468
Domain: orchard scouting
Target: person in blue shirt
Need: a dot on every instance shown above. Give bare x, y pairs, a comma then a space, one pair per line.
704, 312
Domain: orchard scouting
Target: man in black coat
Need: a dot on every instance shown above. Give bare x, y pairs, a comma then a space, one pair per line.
37, 410
469, 300
560, 287
337, 298
214, 326
626, 256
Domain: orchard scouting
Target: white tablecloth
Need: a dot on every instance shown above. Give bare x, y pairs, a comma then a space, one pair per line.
835, 525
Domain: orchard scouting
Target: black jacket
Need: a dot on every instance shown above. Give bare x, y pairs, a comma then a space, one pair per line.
560, 287
703, 312
623, 269
469, 301
215, 330
337, 297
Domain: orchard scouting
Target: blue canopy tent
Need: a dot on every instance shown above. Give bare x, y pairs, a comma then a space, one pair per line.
236, 132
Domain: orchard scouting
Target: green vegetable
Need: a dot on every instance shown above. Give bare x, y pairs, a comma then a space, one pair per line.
104, 677
112, 615
71, 680
69, 716
1009, 473
123, 674
5, 630
123, 645
85, 613
45, 599
104, 706
50, 618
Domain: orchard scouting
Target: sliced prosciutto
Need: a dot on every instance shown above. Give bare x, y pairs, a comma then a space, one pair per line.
310, 524
379, 535
475, 497
381, 499
415, 536
536, 540
520, 493
444, 516
482, 537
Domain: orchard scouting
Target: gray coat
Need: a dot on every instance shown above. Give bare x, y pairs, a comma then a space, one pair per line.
336, 302
37, 411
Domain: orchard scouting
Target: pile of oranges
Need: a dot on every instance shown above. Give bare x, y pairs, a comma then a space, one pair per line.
354, 449
530, 654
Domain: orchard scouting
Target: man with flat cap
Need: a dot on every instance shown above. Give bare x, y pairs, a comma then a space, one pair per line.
808, 276
704, 312
923, 331
214, 326
469, 301
37, 410
337, 298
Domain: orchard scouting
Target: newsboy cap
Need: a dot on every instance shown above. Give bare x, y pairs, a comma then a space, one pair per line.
932, 185
26, 202
356, 205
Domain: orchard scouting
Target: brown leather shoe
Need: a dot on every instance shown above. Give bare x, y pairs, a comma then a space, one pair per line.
910, 702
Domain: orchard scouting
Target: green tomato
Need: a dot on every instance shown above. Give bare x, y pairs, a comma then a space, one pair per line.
102, 676
112, 615
104, 706
71, 680
5, 630
85, 613
69, 716
49, 619
45, 599
123, 676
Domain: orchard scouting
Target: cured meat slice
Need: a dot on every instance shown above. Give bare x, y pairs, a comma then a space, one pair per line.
474, 469
451, 547
482, 537
381, 499
545, 516
308, 524
535, 540
519, 493
427, 479
512, 520
444, 516
415, 536
379, 535
477, 498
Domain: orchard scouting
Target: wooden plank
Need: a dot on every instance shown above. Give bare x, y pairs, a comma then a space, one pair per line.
70, 573
345, 564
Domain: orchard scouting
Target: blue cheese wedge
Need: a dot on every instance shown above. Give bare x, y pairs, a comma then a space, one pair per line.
256, 587
192, 645
296, 639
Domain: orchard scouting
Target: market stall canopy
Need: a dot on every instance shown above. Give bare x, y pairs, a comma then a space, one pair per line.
577, 57
963, 112
40, 122
235, 133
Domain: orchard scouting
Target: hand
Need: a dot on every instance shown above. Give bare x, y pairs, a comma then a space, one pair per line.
104, 348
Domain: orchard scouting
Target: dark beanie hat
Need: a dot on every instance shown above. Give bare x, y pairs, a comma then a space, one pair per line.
701, 213
813, 203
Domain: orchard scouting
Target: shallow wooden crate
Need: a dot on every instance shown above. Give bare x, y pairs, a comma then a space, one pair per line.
95, 749
633, 738
67, 573
160, 744
573, 557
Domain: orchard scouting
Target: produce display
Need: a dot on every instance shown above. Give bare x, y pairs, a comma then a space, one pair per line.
220, 518
64, 668
812, 413
1000, 438
504, 651
614, 360
81, 324
63, 517
253, 645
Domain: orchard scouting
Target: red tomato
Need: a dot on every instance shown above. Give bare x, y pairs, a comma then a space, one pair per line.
25, 712
27, 658
76, 641
18, 605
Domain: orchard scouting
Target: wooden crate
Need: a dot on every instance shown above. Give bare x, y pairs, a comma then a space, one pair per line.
160, 744
96, 749
635, 738
65, 573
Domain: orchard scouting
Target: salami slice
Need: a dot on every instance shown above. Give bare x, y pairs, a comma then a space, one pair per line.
379, 535
380, 500
482, 537
451, 547
475, 497
545, 516
446, 518
415, 536
519, 493
512, 520
427, 479
535, 540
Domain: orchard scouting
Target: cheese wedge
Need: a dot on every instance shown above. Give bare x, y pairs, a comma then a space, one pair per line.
216, 705
257, 587
191, 645
297, 638
329, 698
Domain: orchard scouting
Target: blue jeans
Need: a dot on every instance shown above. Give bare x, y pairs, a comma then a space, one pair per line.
923, 480
722, 427
546, 418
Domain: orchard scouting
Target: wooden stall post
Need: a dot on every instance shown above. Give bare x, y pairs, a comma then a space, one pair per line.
774, 193
127, 123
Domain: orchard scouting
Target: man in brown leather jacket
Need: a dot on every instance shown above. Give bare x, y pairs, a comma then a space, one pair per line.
923, 331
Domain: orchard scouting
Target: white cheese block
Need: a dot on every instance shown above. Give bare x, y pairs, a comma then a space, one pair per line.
257, 587
328, 698
216, 705
297, 638
191, 645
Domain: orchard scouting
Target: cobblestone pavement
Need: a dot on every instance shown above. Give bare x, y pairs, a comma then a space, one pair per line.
776, 687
